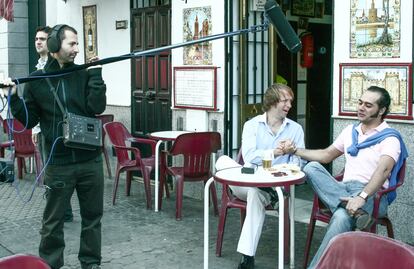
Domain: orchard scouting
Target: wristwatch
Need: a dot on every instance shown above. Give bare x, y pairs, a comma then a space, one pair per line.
363, 195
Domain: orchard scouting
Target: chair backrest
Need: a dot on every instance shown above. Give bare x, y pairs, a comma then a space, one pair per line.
23, 143
23, 261
366, 251
239, 158
118, 134
401, 174
105, 118
196, 149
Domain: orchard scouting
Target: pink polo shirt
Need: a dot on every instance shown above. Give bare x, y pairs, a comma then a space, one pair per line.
362, 166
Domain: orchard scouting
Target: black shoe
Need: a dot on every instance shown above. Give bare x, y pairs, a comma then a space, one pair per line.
247, 262
68, 218
274, 199
363, 220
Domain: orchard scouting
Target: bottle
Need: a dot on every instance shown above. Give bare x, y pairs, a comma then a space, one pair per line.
90, 43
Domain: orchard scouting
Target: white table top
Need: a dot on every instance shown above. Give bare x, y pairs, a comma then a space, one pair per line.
167, 135
261, 178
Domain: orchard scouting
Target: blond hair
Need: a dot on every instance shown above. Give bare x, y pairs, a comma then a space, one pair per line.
273, 93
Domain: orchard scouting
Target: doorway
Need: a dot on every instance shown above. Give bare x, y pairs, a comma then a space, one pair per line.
151, 75
319, 88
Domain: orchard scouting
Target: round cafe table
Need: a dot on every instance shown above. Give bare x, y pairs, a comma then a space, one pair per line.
261, 178
162, 136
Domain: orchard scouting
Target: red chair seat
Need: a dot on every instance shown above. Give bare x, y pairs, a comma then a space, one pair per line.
366, 251
23, 261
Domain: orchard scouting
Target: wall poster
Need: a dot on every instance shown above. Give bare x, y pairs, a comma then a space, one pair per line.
375, 29
394, 77
195, 87
89, 32
197, 24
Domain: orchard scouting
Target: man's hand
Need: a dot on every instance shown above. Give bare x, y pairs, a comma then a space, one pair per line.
354, 203
94, 59
8, 86
288, 146
278, 151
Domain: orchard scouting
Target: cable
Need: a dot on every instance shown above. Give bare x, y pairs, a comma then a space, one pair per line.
36, 182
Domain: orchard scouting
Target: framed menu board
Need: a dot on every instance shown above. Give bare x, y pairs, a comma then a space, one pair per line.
195, 87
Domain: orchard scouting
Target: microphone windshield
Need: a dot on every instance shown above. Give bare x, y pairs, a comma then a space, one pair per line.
285, 31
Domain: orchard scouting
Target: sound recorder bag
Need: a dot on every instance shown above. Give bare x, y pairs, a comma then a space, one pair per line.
78, 131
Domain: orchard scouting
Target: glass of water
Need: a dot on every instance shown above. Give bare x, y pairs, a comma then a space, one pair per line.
293, 159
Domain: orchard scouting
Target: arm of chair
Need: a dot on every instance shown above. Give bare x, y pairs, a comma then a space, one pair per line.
135, 151
147, 141
378, 196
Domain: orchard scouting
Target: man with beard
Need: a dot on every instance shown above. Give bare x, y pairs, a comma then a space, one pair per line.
82, 93
374, 153
42, 33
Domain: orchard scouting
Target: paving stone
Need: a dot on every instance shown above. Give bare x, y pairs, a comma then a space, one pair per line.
134, 237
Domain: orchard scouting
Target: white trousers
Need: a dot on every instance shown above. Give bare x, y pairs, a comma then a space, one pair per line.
256, 200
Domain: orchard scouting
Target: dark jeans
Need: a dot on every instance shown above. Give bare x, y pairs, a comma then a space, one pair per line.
87, 178
44, 158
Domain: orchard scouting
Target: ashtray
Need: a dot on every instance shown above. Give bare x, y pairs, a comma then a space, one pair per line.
279, 174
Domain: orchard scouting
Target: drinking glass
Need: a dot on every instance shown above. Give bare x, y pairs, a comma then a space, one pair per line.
267, 159
293, 159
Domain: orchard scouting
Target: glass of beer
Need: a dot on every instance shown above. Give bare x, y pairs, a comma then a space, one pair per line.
267, 159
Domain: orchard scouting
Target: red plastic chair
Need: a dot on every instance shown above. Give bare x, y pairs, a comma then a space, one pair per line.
196, 149
23, 146
5, 144
105, 118
322, 213
23, 261
359, 250
228, 200
118, 135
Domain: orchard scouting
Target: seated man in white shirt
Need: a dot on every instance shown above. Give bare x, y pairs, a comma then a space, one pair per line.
262, 133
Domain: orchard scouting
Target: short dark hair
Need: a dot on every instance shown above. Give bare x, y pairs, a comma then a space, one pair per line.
45, 29
384, 100
272, 95
62, 32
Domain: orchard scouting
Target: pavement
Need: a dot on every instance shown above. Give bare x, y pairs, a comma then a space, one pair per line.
134, 237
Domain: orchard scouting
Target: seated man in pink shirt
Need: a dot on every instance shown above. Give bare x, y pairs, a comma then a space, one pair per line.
374, 153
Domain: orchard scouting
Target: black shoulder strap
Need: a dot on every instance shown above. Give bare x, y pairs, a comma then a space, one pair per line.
53, 90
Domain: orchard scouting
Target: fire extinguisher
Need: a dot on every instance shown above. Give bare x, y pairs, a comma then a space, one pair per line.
306, 54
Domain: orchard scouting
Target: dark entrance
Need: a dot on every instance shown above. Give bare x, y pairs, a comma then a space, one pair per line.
319, 89
151, 75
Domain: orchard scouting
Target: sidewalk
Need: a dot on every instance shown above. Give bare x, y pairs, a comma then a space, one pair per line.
134, 237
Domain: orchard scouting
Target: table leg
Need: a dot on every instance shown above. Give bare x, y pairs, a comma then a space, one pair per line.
206, 224
292, 226
157, 161
281, 225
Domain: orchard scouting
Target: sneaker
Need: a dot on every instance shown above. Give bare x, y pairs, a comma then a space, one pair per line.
363, 221
94, 266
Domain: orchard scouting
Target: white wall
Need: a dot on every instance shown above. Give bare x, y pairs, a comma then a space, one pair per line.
198, 119
111, 42
342, 42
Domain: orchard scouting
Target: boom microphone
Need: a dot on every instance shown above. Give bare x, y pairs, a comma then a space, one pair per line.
285, 31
